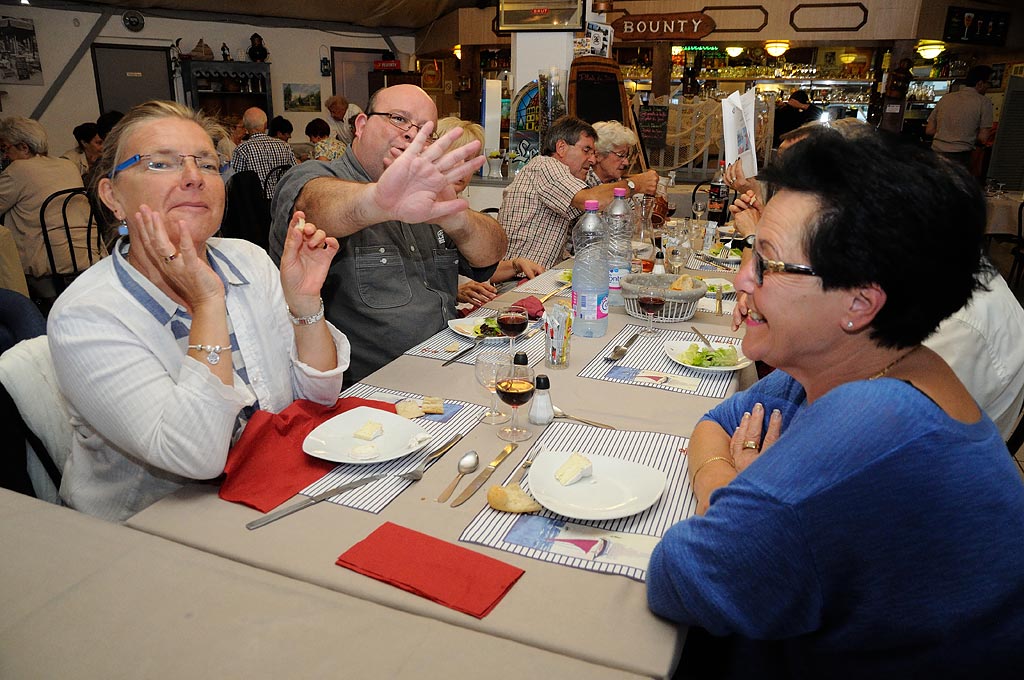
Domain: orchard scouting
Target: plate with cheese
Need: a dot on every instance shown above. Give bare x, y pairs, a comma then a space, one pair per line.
595, 488
365, 435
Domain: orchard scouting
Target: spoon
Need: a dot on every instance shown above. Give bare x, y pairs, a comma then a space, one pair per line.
467, 464
702, 337
559, 413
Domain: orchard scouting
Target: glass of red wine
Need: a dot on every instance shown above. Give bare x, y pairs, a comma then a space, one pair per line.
514, 384
651, 300
512, 321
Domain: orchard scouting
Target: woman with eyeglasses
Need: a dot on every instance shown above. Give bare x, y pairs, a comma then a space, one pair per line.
615, 151
858, 514
165, 349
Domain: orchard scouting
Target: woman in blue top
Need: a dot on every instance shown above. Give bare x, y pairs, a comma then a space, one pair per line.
876, 529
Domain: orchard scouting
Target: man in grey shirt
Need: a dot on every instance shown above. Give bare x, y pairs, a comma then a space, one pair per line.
962, 118
404, 235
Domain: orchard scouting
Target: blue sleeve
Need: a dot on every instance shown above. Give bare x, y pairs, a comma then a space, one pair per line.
777, 390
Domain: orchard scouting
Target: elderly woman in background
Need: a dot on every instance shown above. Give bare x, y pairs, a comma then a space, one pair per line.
614, 148
30, 178
860, 514
164, 349
87, 150
325, 147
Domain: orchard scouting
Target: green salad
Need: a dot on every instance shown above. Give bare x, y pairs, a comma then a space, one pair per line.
697, 355
488, 328
565, 276
718, 248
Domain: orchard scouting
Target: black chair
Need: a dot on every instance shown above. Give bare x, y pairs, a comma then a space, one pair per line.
68, 197
1017, 268
1016, 439
272, 178
247, 210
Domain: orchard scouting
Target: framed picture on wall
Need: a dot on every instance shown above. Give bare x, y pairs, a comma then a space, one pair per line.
996, 81
541, 15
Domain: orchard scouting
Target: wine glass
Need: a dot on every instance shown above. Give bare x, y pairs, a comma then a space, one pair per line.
700, 204
514, 384
487, 365
512, 321
651, 301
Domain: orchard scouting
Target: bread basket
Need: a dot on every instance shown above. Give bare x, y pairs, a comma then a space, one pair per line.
680, 305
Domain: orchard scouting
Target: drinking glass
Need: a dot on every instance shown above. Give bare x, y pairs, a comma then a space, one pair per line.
651, 301
515, 384
512, 321
487, 365
700, 204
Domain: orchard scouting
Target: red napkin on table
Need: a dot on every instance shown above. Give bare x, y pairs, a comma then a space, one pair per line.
267, 465
534, 307
448, 574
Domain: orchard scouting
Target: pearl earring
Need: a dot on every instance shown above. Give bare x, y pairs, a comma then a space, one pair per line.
849, 324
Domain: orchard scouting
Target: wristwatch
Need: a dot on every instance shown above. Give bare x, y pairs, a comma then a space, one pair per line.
631, 185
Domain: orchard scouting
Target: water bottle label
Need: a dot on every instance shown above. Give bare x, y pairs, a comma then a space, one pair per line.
590, 307
602, 306
615, 278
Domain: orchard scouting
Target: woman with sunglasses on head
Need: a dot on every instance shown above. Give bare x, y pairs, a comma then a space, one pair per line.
164, 349
858, 514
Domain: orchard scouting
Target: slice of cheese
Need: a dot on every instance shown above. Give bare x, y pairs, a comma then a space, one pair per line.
364, 452
575, 468
369, 431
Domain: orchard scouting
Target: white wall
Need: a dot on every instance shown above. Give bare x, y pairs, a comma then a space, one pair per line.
294, 58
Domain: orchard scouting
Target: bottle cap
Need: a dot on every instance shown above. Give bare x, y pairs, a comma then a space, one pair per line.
541, 382
660, 255
620, 192
520, 359
591, 205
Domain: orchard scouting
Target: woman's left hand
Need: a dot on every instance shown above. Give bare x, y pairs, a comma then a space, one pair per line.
747, 444
305, 260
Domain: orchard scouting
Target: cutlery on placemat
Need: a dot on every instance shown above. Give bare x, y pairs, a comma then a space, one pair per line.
412, 475
620, 350
704, 258
467, 464
718, 301
475, 485
555, 292
463, 352
559, 413
524, 467
703, 337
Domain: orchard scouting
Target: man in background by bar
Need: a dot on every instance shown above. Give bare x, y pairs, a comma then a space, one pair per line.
963, 118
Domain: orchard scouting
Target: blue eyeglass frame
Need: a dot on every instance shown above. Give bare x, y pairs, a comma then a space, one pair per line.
133, 160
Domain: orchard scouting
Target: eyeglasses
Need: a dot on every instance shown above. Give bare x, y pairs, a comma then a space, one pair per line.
170, 162
626, 155
402, 123
763, 264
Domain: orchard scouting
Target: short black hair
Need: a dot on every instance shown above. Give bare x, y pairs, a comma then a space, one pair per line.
800, 96
567, 129
318, 127
978, 74
106, 122
279, 124
85, 132
893, 214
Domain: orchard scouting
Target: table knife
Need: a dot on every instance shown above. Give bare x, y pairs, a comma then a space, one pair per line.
463, 352
484, 475
705, 258
555, 292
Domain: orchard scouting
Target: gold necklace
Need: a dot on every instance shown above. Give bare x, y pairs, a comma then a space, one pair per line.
894, 362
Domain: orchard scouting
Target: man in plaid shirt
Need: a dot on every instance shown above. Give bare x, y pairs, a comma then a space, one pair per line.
541, 204
260, 152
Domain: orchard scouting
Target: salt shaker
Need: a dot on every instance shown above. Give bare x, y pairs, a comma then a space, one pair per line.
659, 263
541, 410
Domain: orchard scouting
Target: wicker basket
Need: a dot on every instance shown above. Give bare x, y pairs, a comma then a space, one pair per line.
680, 305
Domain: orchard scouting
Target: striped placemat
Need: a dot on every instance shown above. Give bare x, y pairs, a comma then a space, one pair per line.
694, 262
547, 282
620, 546
646, 364
459, 417
436, 346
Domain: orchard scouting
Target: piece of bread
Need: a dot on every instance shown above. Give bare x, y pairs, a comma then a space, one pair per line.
408, 408
370, 431
511, 498
433, 405
684, 282
575, 468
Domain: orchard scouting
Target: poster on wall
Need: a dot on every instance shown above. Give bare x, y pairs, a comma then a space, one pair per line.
971, 25
301, 97
19, 53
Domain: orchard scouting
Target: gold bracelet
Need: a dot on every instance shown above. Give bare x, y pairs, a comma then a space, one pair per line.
700, 467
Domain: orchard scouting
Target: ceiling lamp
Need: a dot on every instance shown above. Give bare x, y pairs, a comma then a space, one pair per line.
734, 51
457, 51
848, 57
929, 49
776, 48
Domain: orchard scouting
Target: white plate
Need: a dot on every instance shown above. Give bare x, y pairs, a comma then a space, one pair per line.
726, 284
718, 258
333, 440
466, 328
674, 348
617, 488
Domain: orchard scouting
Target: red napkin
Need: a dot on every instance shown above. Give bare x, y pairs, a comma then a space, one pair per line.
267, 465
534, 307
448, 574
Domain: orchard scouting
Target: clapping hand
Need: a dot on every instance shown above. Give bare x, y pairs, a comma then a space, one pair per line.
305, 260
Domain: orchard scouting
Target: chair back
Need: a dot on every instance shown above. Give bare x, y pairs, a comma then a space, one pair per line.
272, 178
1016, 438
69, 199
247, 210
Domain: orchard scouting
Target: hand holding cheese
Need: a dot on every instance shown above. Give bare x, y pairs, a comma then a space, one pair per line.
575, 468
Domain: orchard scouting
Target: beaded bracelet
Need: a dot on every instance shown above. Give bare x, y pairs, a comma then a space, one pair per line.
307, 320
709, 460
213, 352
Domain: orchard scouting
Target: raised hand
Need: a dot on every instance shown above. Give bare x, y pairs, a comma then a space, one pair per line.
181, 267
305, 260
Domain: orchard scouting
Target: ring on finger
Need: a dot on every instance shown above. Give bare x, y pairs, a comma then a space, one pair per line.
170, 258
750, 444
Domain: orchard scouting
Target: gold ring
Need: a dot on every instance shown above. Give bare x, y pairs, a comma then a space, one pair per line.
750, 444
170, 258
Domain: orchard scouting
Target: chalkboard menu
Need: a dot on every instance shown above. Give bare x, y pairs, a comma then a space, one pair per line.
971, 25
596, 92
653, 124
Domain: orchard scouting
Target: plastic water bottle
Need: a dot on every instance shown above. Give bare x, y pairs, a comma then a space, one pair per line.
590, 275
619, 216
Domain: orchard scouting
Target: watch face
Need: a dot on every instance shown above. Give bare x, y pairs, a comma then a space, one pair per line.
630, 184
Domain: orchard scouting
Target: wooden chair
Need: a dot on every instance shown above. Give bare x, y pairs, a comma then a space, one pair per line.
67, 196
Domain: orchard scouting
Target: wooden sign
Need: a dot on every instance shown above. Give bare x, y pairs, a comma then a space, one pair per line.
653, 124
678, 26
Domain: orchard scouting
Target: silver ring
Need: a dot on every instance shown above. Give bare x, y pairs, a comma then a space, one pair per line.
750, 444
170, 258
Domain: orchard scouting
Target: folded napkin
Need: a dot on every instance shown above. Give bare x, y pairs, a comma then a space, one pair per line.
267, 465
448, 574
534, 307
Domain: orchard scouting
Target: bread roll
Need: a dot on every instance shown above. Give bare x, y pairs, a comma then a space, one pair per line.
511, 498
